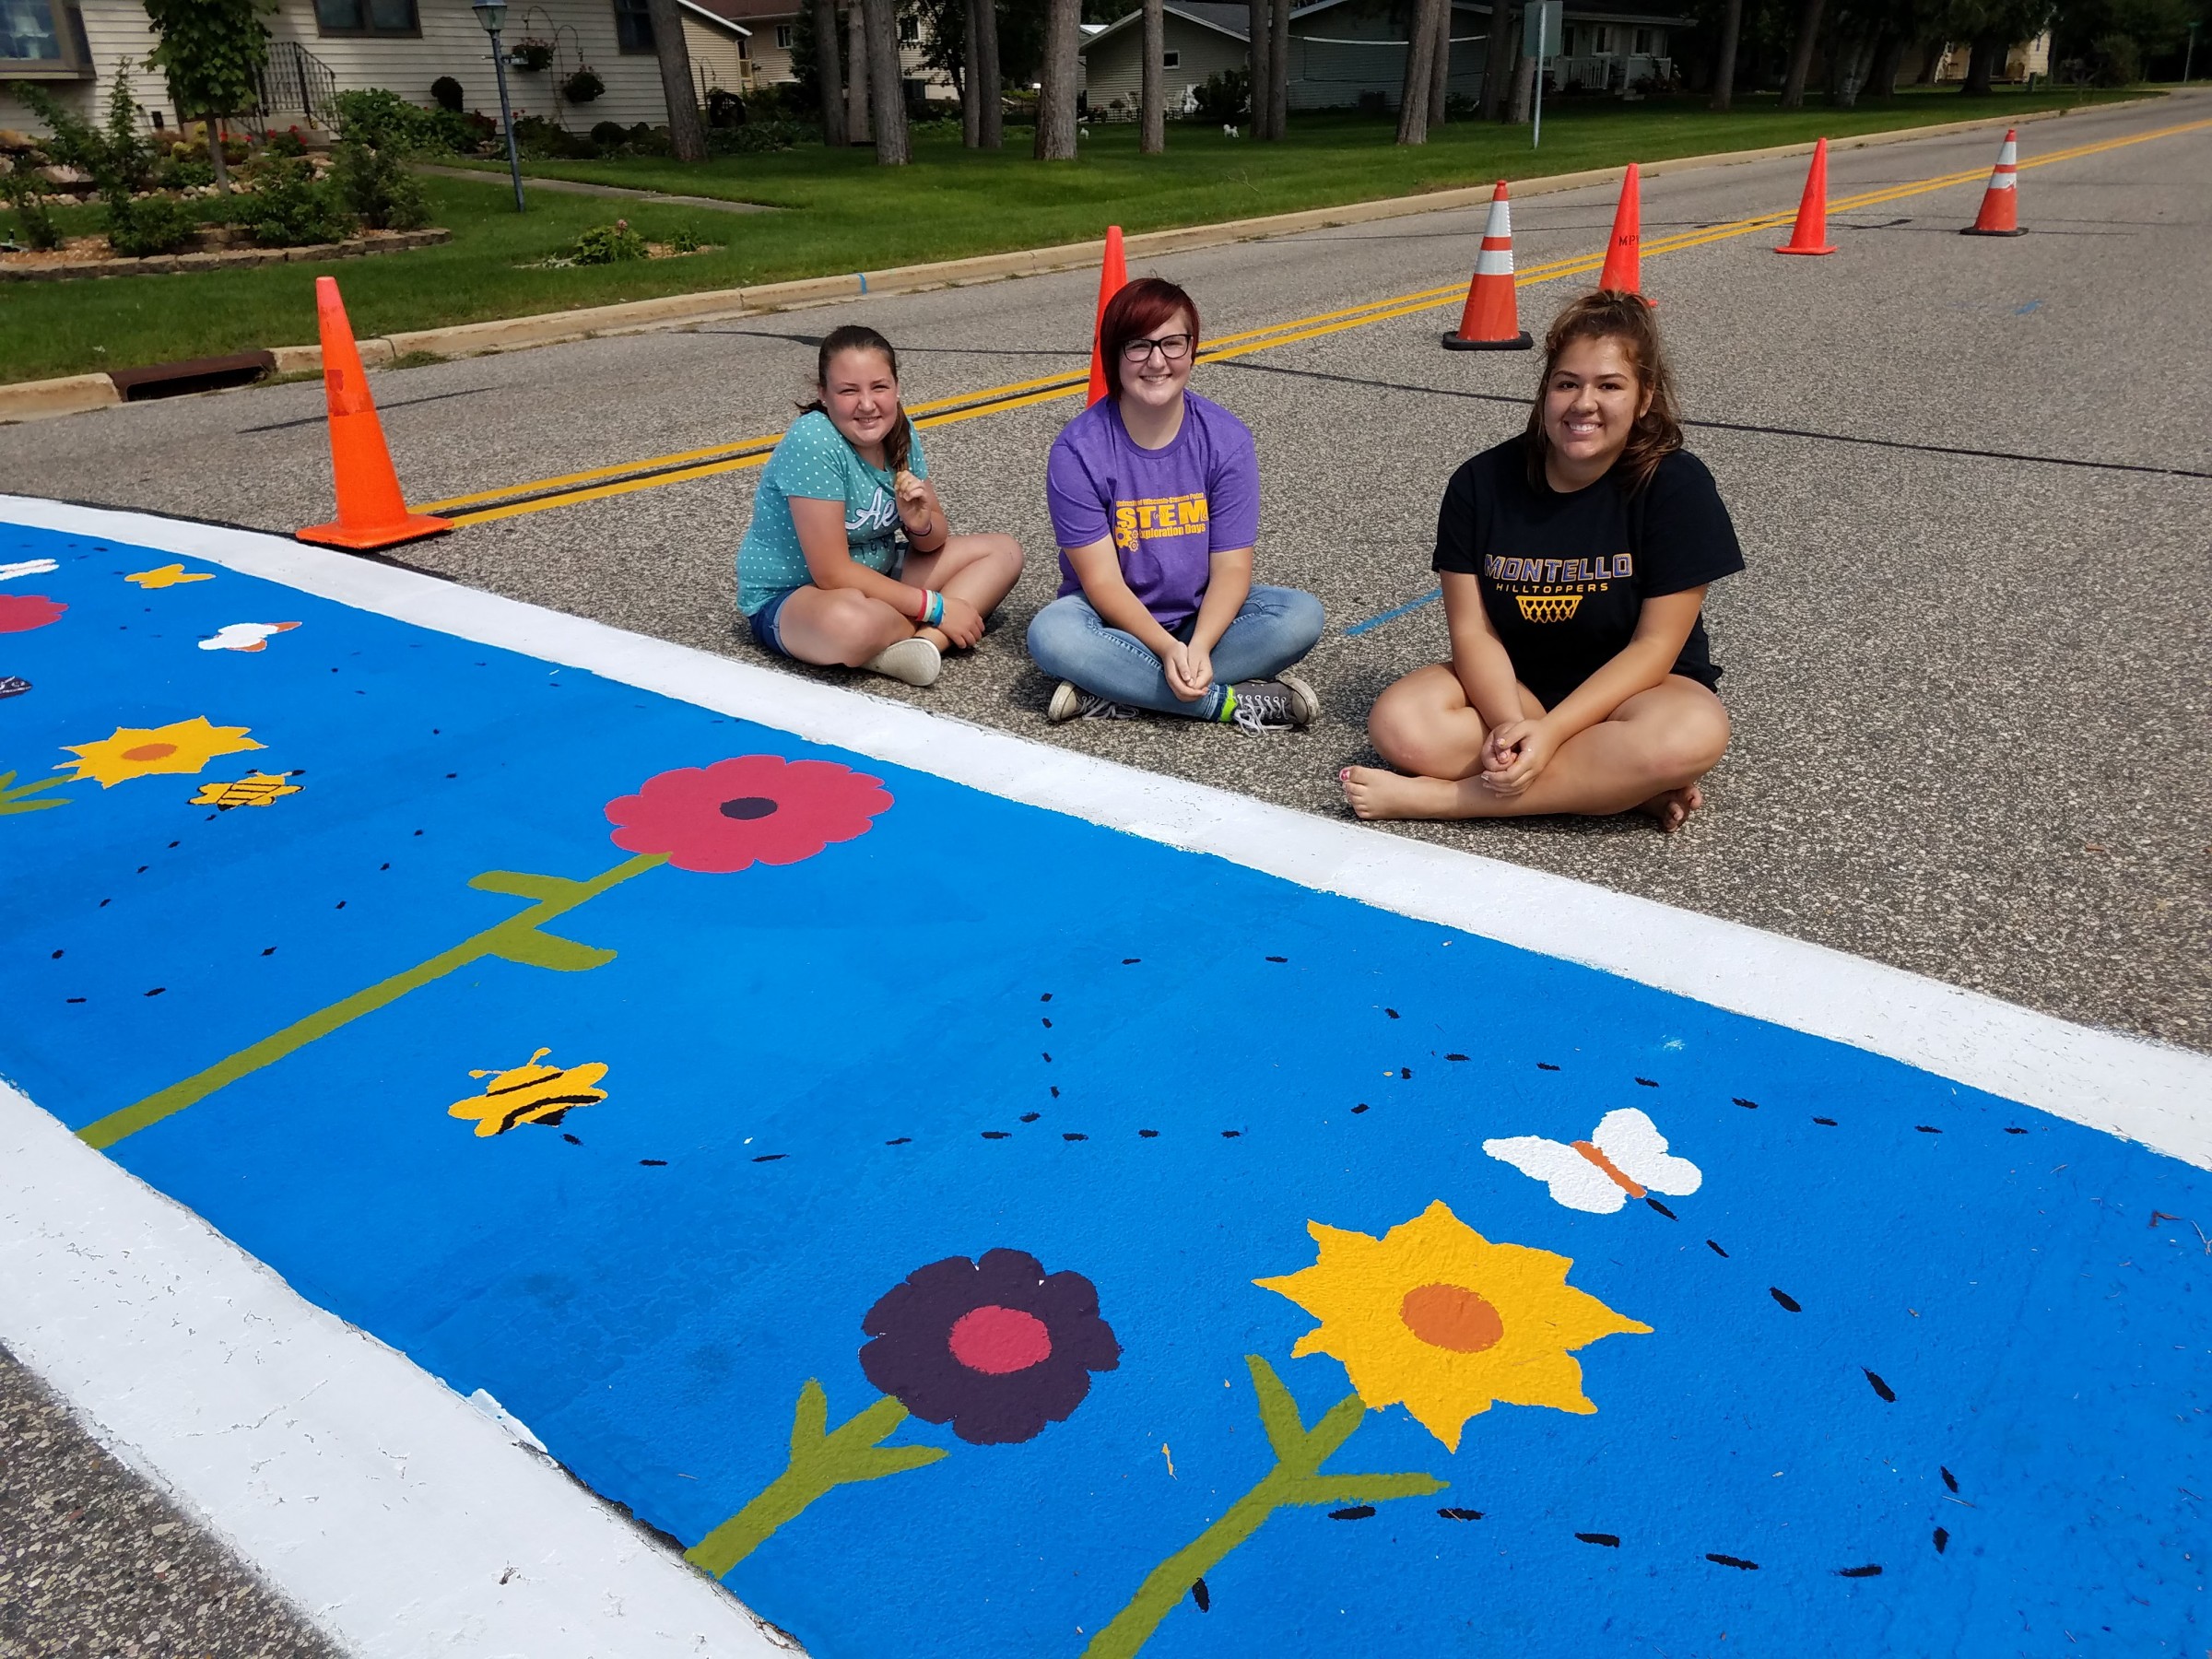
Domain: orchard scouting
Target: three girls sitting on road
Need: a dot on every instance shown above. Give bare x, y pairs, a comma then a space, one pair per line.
1574, 559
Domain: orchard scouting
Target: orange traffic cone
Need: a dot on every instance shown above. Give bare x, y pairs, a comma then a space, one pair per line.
1114, 276
372, 512
1490, 322
2000, 214
1811, 234
1624, 263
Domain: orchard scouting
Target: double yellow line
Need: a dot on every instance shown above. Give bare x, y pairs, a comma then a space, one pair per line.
572, 489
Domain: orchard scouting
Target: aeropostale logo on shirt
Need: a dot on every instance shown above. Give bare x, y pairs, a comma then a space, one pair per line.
1551, 589
1159, 516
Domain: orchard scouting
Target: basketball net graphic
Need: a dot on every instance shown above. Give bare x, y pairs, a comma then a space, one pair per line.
1547, 607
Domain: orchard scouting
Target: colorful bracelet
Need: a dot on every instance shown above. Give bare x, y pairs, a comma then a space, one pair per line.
937, 609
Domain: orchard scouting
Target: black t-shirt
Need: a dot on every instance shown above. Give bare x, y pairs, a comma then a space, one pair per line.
1564, 577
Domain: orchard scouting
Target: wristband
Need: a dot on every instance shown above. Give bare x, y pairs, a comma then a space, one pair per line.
937, 609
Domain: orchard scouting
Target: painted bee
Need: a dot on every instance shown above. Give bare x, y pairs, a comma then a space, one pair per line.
255, 789
530, 1093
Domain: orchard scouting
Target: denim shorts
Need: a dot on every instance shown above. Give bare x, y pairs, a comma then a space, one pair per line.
763, 624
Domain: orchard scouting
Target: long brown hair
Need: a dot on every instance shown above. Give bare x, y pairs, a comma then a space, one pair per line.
855, 336
1611, 315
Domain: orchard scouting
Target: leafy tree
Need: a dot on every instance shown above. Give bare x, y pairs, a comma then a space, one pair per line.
213, 53
687, 131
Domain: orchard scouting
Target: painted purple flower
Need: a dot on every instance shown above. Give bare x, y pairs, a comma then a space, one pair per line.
996, 1348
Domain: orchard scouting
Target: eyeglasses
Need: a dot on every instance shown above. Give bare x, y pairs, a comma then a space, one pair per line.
1175, 347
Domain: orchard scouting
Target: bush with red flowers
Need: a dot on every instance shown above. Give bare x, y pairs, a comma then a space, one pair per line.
996, 1348
754, 809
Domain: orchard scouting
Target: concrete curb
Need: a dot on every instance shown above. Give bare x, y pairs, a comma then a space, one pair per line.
37, 400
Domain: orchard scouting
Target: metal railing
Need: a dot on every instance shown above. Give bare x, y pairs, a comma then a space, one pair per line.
295, 80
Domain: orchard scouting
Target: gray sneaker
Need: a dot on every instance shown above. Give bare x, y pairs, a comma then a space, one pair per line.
1285, 704
1070, 701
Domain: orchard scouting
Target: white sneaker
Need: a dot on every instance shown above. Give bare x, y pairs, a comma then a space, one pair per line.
1070, 701
914, 660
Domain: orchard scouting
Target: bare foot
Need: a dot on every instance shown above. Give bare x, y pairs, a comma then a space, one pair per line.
1671, 808
1373, 793
936, 638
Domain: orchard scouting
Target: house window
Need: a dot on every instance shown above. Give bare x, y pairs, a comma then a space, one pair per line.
1171, 60
634, 25
1643, 40
910, 31
367, 18
782, 37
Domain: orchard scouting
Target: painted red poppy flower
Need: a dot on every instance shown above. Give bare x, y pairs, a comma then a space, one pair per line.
996, 1348
753, 809
19, 613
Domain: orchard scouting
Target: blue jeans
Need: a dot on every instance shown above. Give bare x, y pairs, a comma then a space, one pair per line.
1070, 641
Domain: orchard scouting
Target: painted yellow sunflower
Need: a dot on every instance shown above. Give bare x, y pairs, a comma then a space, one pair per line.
1434, 1315
140, 751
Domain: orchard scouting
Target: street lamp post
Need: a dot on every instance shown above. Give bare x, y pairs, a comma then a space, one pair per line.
2189, 58
492, 13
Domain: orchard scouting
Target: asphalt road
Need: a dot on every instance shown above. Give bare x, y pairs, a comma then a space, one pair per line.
1973, 478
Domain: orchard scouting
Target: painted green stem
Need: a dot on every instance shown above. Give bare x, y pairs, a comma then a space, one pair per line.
1296, 1479
15, 797
821, 1460
517, 939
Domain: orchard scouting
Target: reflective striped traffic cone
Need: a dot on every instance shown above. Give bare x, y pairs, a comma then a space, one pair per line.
1114, 276
1810, 236
1624, 262
2000, 214
371, 512
1490, 322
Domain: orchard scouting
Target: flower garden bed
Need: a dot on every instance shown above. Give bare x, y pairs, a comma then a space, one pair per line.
219, 248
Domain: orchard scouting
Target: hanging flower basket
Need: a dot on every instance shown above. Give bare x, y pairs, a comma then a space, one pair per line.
531, 55
583, 86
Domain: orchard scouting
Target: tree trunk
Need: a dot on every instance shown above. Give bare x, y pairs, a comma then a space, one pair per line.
887, 94
1279, 73
858, 129
1498, 57
1260, 54
215, 159
984, 77
1440, 67
972, 107
834, 79
1981, 60
1723, 68
1888, 55
1056, 97
686, 133
1421, 61
1931, 60
1152, 95
1801, 54
1525, 87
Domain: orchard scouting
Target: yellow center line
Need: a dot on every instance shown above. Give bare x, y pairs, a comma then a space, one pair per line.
686, 465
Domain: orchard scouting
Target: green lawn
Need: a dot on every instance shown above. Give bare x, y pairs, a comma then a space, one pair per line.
841, 212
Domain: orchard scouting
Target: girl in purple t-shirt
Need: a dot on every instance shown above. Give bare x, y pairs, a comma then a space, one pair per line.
1155, 497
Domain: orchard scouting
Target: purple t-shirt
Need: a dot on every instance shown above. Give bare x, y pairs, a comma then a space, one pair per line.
1168, 510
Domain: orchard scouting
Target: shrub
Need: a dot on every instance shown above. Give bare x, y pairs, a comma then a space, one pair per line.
2115, 61
607, 135
608, 244
445, 92
147, 224
384, 121
1225, 97
290, 207
686, 241
756, 138
188, 170
32, 214
548, 140
377, 188
583, 86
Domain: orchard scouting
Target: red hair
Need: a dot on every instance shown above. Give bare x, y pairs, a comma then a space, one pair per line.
1132, 314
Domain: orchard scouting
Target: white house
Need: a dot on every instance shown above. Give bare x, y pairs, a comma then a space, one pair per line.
320, 48
1344, 53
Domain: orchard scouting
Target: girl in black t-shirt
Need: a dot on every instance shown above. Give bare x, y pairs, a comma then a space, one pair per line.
1574, 560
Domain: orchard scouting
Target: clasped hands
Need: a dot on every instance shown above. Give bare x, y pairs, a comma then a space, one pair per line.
1513, 754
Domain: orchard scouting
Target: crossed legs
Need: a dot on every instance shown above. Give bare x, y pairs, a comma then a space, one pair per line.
1649, 754
844, 626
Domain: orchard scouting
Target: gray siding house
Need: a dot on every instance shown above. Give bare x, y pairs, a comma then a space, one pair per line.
1346, 51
